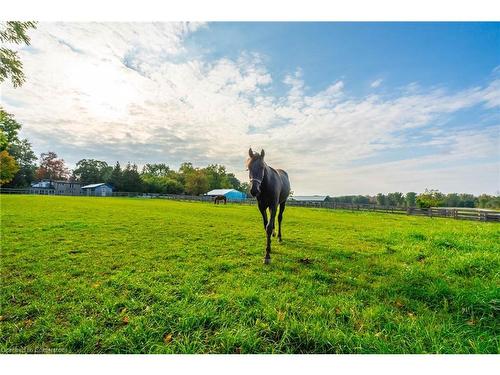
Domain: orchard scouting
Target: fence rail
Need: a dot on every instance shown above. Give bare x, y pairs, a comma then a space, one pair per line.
459, 213
28, 191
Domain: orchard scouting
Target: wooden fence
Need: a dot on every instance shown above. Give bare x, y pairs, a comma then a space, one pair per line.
459, 213
38, 191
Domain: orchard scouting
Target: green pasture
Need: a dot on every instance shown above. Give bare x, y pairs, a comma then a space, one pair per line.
132, 275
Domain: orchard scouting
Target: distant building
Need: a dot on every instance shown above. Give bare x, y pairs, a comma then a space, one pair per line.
231, 194
44, 184
309, 198
98, 190
67, 188
57, 187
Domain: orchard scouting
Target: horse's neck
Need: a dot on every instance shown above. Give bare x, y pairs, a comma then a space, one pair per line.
267, 176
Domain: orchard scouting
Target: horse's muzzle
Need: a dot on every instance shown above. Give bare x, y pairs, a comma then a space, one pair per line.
255, 191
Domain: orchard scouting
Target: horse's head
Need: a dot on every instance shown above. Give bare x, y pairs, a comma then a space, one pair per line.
256, 168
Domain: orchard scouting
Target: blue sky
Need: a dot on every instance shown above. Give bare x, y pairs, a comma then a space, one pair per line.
453, 54
449, 55
346, 108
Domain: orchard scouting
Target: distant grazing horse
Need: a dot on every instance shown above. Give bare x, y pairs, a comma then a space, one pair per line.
271, 187
220, 198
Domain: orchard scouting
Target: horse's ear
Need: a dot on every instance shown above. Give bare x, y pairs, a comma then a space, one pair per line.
250, 152
262, 153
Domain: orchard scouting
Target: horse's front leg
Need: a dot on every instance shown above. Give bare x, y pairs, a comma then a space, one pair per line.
269, 232
263, 212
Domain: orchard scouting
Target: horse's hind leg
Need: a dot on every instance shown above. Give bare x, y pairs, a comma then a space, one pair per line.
280, 218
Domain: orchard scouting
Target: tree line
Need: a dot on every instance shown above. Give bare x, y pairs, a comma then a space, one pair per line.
157, 177
429, 198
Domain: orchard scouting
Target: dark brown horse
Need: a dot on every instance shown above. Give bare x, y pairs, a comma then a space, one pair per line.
220, 198
271, 187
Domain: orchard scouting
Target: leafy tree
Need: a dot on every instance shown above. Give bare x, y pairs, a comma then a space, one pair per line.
360, 199
233, 182
159, 178
25, 158
184, 171
430, 198
3, 141
467, 200
172, 186
9, 129
131, 179
186, 168
489, 201
106, 173
395, 199
342, 199
245, 188
116, 177
161, 184
10, 64
217, 177
52, 168
21, 156
90, 171
347, 198
494, 202
452, 200
159, 169
411, 199
483, 200
196, 183
8, 167
19, 149
381, 199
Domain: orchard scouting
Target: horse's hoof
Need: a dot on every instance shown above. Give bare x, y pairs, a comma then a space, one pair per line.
267, 260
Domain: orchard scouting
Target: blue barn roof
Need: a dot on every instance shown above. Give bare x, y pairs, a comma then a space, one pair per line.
228, 193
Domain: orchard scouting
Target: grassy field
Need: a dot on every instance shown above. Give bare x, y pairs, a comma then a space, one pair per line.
131, 275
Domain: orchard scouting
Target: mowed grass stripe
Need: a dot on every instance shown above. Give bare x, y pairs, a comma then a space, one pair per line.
124, 275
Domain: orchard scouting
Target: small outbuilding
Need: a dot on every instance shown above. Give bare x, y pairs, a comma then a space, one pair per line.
231, 194
98, 190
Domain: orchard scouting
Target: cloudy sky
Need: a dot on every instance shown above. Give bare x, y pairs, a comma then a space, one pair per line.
345, 108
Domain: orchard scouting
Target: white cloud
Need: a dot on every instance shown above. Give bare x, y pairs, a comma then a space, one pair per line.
376, 83
134, 92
